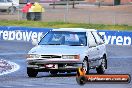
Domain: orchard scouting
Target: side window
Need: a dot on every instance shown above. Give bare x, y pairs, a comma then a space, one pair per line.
98, 38
9, 0
2, 1
91, 40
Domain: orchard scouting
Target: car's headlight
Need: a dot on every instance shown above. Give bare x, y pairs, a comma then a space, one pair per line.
33, 56
71, 56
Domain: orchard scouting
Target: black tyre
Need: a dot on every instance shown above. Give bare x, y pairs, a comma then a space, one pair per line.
31, 72
81, 80
30, 16
11, 10
86, 66
68, 72
53, 72
102, 67
37, 16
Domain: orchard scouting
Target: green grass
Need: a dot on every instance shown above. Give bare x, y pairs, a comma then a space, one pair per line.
64, 25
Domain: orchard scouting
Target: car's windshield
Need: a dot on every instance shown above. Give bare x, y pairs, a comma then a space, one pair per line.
64, 38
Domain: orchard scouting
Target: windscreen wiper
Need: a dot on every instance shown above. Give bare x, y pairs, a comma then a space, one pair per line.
53, 44
75, 45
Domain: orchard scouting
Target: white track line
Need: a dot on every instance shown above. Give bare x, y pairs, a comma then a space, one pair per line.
14, 67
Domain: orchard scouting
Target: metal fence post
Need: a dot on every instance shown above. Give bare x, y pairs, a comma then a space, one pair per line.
66, 11
114, 19
89, 18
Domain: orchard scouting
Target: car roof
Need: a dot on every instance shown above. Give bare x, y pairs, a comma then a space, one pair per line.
74, 29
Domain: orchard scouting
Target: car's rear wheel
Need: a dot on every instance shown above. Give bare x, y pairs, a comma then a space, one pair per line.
86, 66
31, 72
11, 10
102, 67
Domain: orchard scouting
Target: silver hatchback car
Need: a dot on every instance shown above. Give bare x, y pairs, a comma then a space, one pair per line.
62, 50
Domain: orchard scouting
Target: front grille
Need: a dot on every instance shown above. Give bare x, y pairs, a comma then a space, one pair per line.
50, 56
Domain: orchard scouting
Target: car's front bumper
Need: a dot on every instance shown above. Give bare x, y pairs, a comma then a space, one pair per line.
54, 65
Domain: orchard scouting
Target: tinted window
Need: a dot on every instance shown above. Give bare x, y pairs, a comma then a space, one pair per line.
9, 0
2, 0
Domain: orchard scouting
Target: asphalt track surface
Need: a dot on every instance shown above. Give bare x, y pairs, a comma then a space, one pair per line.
119, 61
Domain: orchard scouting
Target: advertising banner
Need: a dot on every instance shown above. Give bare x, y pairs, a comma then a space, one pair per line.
22, 33
116, 37
30, 34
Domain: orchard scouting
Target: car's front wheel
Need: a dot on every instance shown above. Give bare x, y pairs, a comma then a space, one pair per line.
81, 80
31, 72
86, 66
102, 67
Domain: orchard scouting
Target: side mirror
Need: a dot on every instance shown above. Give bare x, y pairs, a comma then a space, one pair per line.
92, 45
